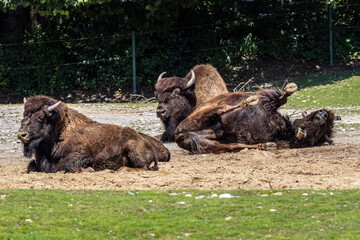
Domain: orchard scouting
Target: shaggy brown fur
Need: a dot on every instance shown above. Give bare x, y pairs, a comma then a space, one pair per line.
212, 129
176, 101
66, 140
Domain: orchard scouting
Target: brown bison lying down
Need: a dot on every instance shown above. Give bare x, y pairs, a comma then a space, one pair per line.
178, 97
235, 121
63, 139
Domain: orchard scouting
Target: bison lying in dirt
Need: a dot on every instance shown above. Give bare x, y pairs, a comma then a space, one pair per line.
66, 140
178, 97
236, 121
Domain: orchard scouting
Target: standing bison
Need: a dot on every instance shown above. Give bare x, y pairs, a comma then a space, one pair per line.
63, 139
178, 97
235, 121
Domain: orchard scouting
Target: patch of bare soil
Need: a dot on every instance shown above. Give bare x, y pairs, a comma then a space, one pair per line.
327, 167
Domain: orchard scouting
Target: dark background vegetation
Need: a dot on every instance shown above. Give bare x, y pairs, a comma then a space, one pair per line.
62, 47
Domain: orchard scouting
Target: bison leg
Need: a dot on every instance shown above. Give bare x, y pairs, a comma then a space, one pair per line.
288, 91
328, 140
74, 162
41, 165
194, 140
269, 146
250, 101
273, 99
216, 147
204, 142
32, 167
203, 145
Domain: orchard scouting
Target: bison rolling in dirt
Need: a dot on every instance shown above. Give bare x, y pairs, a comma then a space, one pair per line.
235, 121
178, 97
66, 140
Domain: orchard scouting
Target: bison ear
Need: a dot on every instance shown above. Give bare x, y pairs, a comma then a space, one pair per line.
176, 91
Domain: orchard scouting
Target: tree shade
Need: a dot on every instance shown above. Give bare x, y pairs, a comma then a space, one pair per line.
52, 47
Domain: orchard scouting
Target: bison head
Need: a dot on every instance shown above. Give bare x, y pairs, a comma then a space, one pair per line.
314, 128
176, 101
37, 124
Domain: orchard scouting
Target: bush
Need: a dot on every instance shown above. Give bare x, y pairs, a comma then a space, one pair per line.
73, 45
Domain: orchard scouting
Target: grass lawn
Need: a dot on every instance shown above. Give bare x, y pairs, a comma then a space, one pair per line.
292, 214
331, 90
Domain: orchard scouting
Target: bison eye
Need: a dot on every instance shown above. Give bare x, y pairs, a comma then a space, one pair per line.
39, 119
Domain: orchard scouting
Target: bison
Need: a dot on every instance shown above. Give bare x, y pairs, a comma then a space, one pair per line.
63, 139
178, 97
235, 121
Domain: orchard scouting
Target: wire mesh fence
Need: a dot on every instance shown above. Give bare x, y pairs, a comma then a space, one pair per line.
86, 59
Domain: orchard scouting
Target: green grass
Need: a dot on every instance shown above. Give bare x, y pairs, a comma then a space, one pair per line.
348, 111
340, 89
296, 214
340, 125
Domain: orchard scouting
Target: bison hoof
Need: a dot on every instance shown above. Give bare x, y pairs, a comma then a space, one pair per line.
300, 134
154, 168
252, 100
32, 167
269, 146
89, 170
290, 88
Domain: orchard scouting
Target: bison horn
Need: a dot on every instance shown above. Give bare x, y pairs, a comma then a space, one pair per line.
337, 118
304, 113
192, 80
53, 107
160, 76
24, 100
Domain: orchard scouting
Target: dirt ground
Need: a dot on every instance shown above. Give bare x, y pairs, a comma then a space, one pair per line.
328, 167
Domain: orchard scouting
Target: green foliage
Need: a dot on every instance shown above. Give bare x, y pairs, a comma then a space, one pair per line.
43, 7
55, 46
299, 214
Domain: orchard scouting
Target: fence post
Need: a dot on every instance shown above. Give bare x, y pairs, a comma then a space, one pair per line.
134, 61
330, 34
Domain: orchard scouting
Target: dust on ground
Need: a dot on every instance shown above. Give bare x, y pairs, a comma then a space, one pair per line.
327, 167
